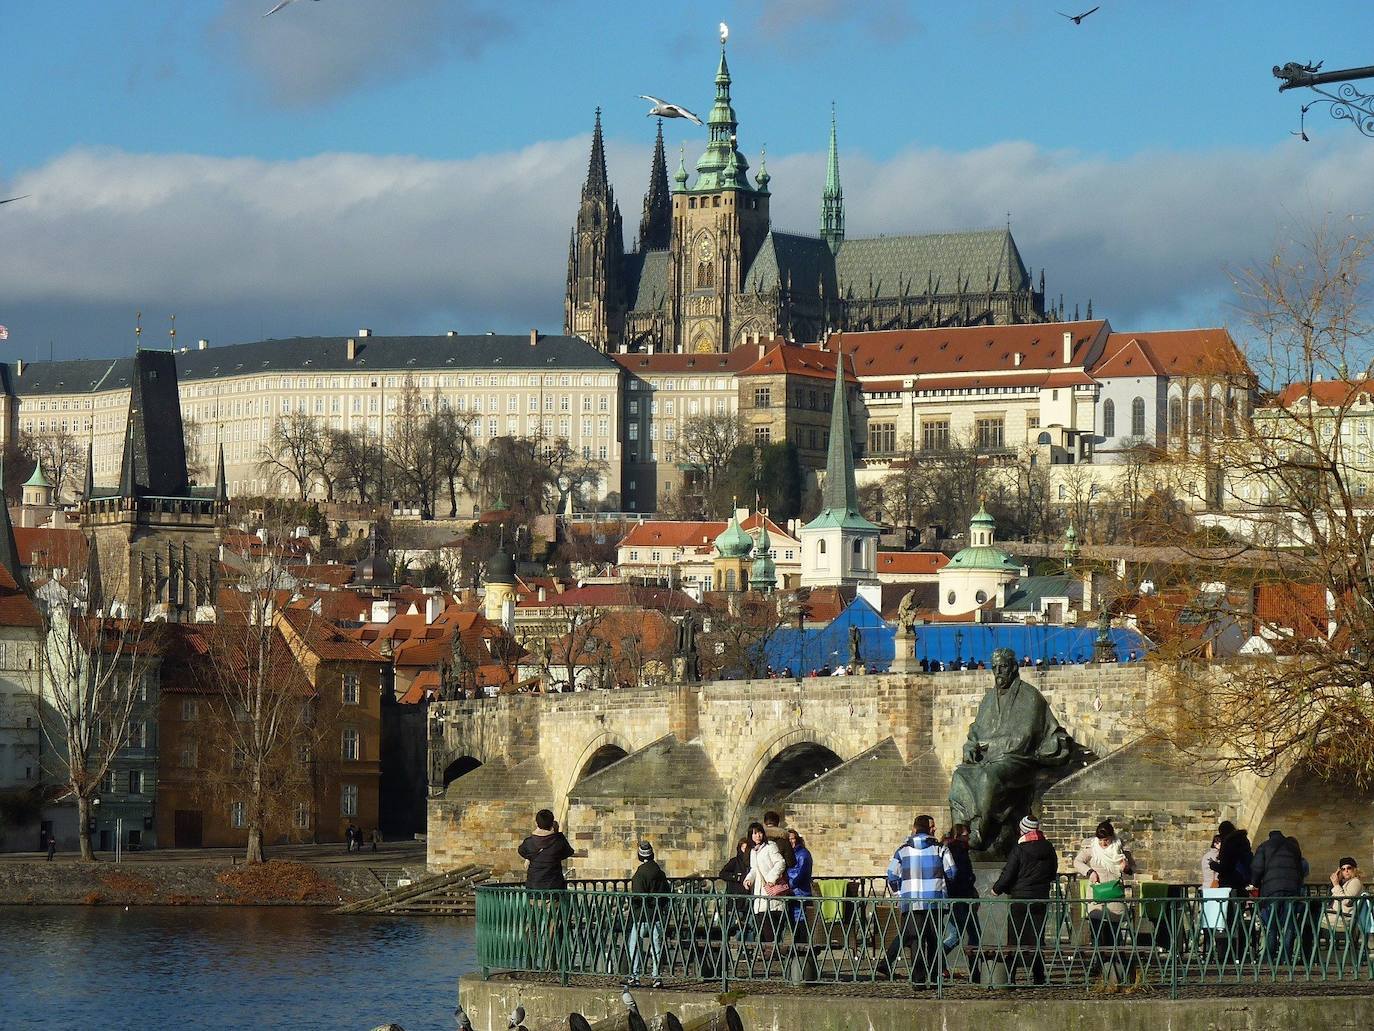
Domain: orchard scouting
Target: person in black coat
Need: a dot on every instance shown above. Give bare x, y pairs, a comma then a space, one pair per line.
1277, 870
646, 916
963, 885
544, 851
1027, 878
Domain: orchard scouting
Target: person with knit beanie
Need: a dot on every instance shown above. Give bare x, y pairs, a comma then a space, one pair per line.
646, 915
1026, 879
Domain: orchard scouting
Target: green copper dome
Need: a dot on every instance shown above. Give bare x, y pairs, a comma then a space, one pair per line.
734, 542
37, 479
982, 552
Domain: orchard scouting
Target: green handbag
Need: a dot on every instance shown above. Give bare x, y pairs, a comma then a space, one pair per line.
1111, 891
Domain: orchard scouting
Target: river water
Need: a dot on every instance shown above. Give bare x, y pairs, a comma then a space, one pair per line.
155, 968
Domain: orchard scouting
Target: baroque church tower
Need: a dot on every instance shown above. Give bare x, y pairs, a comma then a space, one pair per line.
594, 306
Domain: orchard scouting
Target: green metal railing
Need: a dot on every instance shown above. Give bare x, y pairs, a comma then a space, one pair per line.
718, 938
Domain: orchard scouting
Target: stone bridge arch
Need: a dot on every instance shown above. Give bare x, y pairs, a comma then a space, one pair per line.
746, 785
602, 750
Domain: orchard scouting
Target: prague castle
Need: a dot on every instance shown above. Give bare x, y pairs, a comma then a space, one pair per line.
709, 271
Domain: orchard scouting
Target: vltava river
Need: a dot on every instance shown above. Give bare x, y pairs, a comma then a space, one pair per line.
160, 969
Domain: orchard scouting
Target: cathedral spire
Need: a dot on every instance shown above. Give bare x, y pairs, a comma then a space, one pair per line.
655, 227
840, 495
722, 165
597, 182
832, 199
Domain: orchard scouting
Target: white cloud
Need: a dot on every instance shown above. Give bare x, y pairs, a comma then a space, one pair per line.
243, 247
313, 52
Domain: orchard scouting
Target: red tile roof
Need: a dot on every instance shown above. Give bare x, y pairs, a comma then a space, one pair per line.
1331, 393
794, 360
623, 596
672, 533
911, 562
972, 349
51, 547
1179, 352
326, 640
649, 364
16, 608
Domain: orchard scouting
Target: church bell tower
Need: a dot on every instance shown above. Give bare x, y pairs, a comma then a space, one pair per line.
594, 306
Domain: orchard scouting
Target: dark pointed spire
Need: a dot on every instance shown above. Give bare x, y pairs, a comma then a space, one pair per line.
840, 495
656, 225
832, 198
9, 550
88, 489
597, 180
221, 488
128, 487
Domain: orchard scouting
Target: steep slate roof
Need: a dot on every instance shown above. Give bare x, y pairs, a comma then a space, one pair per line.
974, 349
896, 263
803, 261
646, 280
325, 355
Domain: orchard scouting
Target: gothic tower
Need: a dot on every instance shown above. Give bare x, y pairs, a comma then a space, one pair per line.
719, 223
832, 199
656, 224
594, 307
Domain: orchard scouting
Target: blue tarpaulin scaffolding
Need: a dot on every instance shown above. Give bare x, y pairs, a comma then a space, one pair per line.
813, 648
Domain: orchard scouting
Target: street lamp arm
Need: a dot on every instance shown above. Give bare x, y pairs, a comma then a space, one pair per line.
1295, 75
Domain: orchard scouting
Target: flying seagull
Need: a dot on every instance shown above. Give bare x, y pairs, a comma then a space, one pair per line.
1077, 19
280, 5
11, 200
663, 109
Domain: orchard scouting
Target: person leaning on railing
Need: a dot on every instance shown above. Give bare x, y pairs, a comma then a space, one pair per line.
646, 915
1347, 884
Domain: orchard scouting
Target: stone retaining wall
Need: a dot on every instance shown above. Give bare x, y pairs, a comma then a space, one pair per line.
186, 884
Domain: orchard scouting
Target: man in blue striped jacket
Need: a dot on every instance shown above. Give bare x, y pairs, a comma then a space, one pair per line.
917, 875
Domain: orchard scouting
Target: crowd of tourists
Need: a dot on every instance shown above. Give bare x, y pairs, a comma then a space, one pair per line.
770, 878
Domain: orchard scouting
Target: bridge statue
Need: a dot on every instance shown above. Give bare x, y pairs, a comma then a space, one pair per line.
1012, 740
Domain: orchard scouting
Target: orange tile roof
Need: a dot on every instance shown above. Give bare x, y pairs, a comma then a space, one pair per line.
672, 533
911, 562
332, 573
622, 596
972, 349
794, 360
51, 547
1331, 393
16, 608
1176, 352
326, 640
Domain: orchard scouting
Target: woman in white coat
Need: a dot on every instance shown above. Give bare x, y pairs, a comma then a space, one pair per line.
766, 867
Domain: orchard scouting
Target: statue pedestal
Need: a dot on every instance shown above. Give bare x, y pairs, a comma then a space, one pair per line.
904, 661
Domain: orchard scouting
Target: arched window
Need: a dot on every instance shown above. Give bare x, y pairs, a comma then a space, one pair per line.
820, 547
706, 275
1138, 417
1063, 492
729, 579
1196, 417
1175, 416
1214, 413
1109, 418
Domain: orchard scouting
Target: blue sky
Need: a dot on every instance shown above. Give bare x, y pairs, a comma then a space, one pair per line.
413, 164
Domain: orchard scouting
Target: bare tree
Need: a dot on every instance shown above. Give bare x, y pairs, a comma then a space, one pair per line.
197, 461
93, 689
452, 433
1293, 481
61, 454
707, 442
737, 643
356, 463
574, 641
293, 451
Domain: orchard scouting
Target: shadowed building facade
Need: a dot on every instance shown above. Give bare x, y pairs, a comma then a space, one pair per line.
709, 272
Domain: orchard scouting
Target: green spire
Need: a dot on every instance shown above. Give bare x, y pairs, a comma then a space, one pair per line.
763, 575
681, 177
840, 496
832, 199
763, 178
722, 166
733, 541
37, 479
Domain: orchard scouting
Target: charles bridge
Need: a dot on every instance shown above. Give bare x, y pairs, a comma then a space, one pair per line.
849, 760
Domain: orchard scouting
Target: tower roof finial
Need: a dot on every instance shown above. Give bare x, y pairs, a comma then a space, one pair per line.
832, 198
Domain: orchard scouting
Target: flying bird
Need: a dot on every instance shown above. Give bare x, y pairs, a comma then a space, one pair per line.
280, 5
11, 200
663, 109
1077, 19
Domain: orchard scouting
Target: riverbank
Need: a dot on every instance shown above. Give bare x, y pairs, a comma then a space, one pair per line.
843, 1008
185, 883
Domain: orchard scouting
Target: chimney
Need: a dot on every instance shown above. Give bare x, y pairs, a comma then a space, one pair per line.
1016, 359
534, 337
762, 347
451, 333
541, 593
352, 349
19, 367
434, 605
383, 611
1068, 348
202, 344
364, 332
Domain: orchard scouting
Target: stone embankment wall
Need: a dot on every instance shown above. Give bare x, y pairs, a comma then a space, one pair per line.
883, 749
67, 882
